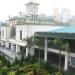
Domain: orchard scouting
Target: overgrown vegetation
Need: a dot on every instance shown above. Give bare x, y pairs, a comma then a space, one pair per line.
28, 66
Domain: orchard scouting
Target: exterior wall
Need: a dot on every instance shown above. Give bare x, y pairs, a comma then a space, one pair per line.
29, 30
5, 32
66, 15
23, 28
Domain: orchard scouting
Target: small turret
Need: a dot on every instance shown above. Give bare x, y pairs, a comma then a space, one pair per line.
32, 7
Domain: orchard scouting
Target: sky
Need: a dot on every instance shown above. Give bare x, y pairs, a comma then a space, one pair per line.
13, 7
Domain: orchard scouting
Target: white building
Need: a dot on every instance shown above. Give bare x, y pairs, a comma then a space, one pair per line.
25, 25
56, 15
65, 15
20, 27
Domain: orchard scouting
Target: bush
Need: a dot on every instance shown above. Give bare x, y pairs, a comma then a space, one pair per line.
16, 61
4, 73
58, 73
21, 61
3, 70
8, 63
1, 64
17, 72
3, 59
11, 73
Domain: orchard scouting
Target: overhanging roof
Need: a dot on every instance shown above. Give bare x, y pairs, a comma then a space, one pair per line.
69, 29
20, 43
65, 33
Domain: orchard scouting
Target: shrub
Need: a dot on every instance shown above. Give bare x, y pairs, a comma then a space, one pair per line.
58, 73
4, 73
21, 61
3, 70
8, 63
1, 64
11, 73
17, 72
16, 61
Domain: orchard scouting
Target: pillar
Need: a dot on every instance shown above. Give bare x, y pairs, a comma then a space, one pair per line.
32, 48
66, 59
12, 49
17, 48
66, 62
27, 51
32, 51
7, 44
45, 53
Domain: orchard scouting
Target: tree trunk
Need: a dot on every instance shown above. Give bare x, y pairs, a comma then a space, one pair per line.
39, 56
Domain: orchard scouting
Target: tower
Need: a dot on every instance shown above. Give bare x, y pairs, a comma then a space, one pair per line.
56, 14
65, 15
32, 7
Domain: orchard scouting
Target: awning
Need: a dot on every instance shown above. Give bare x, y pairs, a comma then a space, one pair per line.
20, 43
65, 33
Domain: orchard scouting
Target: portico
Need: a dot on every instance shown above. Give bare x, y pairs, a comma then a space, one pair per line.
67, 33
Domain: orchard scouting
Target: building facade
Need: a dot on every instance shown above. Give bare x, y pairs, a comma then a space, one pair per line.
20, 27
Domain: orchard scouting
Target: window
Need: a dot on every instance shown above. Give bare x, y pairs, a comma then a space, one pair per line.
13, 32
20, 34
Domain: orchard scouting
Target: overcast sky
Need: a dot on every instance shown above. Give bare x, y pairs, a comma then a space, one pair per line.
12, 7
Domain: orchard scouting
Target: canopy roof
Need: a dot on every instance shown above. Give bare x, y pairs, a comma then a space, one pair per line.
69, 29
65, 33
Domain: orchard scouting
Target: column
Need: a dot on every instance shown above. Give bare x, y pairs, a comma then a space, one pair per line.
66, 62
66, 59
12, 47
17, 48
45, 55
7, 44
27, 51
32, 51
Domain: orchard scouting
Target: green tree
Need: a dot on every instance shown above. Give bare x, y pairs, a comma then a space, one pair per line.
8, 64
59, 42
29, 41
40, 43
